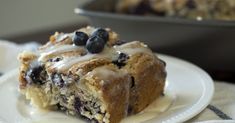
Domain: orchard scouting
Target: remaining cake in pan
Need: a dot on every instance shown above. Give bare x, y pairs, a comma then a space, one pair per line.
93, 74
195, 9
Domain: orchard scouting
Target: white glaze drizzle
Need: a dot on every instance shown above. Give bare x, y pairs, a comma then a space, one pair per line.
62, 36
57, 50
130, 49
107, 73
89, 30
66, 63
108, 53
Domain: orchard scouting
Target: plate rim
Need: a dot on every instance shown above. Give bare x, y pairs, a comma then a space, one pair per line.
202, 102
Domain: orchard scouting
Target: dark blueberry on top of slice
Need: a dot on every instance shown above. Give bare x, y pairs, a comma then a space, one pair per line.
95, 44
121, 60
102, 33
80, 38
35, 75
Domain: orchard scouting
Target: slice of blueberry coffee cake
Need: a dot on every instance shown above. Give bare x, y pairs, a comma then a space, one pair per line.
93, 74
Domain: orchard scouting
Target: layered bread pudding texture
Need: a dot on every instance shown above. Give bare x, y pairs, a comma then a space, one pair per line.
195, 9
93, 74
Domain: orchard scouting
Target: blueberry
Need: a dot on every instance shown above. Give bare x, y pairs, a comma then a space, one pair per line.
35, 75
77, 104
120, 62
122, 57
130, 109
60, 107
57, 59
132, 81
57, 80
102, 33
80, 38
95, 44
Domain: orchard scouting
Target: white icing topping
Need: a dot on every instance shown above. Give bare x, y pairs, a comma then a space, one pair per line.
62, 36
108, 53
57, 50
87, 30
106, 73
131, 51
131, 48
66, 63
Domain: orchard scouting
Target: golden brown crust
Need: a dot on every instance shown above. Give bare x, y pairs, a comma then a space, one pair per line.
25, 59
115, 90
148, 79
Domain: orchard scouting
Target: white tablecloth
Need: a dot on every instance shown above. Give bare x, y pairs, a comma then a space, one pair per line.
220, 110
9, 52
222, 106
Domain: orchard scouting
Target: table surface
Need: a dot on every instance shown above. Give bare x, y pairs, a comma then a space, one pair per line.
43, 36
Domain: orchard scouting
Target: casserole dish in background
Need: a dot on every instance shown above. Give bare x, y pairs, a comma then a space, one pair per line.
207, 43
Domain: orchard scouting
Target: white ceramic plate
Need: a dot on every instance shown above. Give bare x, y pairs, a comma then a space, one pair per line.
192, 87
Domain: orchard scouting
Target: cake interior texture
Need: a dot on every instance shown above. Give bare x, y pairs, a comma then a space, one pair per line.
91, 73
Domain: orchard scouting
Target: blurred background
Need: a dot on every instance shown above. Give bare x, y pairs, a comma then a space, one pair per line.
26, 20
